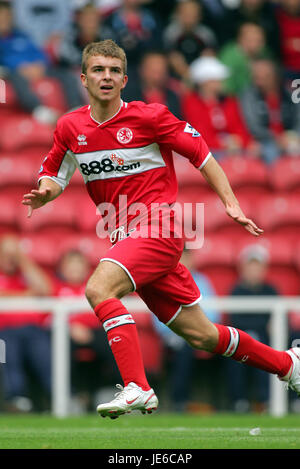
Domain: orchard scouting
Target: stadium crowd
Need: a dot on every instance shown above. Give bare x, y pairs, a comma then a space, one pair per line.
231, 68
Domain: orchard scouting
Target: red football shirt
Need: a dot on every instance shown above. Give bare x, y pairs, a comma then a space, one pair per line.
130, 154
64, 289
17, 283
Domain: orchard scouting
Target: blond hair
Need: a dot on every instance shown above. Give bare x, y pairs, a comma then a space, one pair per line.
107, 48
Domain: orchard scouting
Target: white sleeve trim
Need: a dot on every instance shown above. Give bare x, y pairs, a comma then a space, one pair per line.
66, 171
205, 161
54, 179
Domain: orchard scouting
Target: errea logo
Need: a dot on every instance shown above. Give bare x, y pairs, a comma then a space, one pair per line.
81, 140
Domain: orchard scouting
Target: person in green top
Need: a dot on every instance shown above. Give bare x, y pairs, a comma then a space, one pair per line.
238, 55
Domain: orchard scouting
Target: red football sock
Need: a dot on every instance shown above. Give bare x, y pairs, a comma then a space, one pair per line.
242, 347
123, 339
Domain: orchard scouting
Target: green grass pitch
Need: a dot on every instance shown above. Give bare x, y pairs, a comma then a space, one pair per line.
157, 431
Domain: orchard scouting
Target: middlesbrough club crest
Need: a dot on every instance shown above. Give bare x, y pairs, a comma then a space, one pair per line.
124, 135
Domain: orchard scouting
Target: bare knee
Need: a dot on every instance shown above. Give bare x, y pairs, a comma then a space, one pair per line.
108, 281
96, 293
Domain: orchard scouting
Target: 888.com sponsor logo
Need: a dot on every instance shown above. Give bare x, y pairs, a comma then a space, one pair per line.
106, 166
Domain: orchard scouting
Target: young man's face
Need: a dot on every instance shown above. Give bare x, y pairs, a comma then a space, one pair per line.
104, 78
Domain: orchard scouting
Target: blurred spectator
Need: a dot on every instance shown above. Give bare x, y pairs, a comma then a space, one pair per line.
44, 21
92, 363
24, 63
25, 333
153, 84
136, 31
186, 38
87, 27
163, 10
237, 56
182, 355
248, 384
272, 117
260, 12
288, 17
216, 116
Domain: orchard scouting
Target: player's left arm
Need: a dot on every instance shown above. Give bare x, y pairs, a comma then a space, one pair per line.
181, 137
217, 179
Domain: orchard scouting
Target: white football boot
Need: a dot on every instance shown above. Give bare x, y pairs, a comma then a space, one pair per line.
293, 377
132, 397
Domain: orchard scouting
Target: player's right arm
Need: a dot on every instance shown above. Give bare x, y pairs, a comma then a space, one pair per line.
48, 190
55, 173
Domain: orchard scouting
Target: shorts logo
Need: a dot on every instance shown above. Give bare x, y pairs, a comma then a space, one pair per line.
124, 135
81, 140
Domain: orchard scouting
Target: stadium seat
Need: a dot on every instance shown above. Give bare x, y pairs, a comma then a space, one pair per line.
242, 171
187, 174
15, 169
280, 250
92, 246
42, 248
285, 279
296, 251
86, 216
35, 154
60, 212
51, 94
11, 100
21, 130
216, 251
252, 196
279, 212
8, 211
223, 278
285, 174
215, 216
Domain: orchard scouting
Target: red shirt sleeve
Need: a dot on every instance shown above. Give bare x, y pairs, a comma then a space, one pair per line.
59, 164
180, 136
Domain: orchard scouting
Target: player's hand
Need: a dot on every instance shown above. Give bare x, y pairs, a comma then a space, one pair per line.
237, 214
36, 199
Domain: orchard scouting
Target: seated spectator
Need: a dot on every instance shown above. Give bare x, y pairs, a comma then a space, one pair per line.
288, 18
272, 117
183, 356
92, 363
136, 31
87, 27
25, 334
260, 12
44, 21
25, 63
186, 38
238, 55
246, 384
153, 84
106, 7
216, 116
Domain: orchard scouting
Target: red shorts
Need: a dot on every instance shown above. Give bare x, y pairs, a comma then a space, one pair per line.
153, 266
